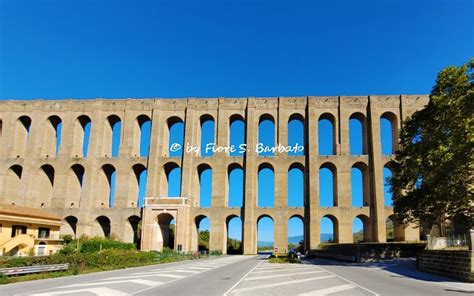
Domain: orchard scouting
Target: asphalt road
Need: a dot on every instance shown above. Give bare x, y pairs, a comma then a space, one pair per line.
250, 275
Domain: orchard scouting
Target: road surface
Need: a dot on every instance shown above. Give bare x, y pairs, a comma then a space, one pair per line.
250, 275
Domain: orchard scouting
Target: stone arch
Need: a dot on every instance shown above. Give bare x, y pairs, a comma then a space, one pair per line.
204, 173
141, 136
137, 190
20, 136
13, 186
81, 137
69, 226
335, 227
101, 227
296, 133
266, 185
51, 136
387, 172
174, 134
235, 185
132, 230
202, 245
397, 229
111, 136
327, 194
260, 237
366, 235
358, 134
296, 185
327, 134
75, 182
294, 218
234, 245
206, 134
167, 231
45, 186
171, 180
236, 134
106, 188
266, 133
389, 124
360, 174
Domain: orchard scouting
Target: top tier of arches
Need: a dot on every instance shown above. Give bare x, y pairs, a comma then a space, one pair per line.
278, 131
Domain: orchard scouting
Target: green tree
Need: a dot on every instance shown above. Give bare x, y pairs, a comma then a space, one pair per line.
203, 240
433, 173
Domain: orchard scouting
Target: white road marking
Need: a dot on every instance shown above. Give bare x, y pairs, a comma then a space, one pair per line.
199, 268
95, 291
285, 270
363, 288
174, 276
323, 292
236, 284
254, 278
164, 271
282, 284
106, 282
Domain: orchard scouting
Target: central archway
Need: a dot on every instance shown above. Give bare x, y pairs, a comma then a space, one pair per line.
167, 228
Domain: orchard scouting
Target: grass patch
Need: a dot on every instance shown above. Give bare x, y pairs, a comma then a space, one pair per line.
284, 259
86, 259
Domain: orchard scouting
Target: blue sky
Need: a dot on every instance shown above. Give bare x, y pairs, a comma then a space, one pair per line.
115, 49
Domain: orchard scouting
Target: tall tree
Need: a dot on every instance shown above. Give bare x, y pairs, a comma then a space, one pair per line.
433, 173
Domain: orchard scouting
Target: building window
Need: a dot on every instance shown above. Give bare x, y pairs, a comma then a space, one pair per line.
18, 229
43, 232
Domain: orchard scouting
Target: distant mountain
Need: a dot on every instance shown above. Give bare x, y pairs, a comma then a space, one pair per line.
325, 237
264, 244
295, 239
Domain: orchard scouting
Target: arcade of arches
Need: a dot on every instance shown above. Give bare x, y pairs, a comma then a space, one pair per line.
123, 168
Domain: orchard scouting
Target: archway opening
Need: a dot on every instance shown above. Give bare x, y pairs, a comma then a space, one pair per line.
167, 226
265, 235
236, 186
296, 239
205, 185
207, 135
203, 230
176, 137
234, 235
69, 226
296, 134
358, 134
329, 229
387, 188
395, 230
266, 186
237, 135
327, 185
326, 135
296, 185
102, 227
388, 133
266, 135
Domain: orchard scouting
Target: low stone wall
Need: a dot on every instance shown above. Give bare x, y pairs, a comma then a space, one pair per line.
454, 264
364, 252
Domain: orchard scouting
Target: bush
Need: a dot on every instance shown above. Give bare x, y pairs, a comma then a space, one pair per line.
97, 244
215, 253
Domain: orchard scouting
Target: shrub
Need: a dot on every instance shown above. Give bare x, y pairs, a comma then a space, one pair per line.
97, 244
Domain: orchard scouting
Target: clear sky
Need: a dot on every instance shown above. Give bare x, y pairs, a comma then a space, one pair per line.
116, 49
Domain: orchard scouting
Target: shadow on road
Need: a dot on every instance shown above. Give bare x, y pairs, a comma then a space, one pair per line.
403, 267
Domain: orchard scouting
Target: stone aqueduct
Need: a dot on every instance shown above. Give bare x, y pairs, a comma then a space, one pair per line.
77, 187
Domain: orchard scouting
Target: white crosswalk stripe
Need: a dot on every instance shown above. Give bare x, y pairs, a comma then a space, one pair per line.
126, 285
328, 291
